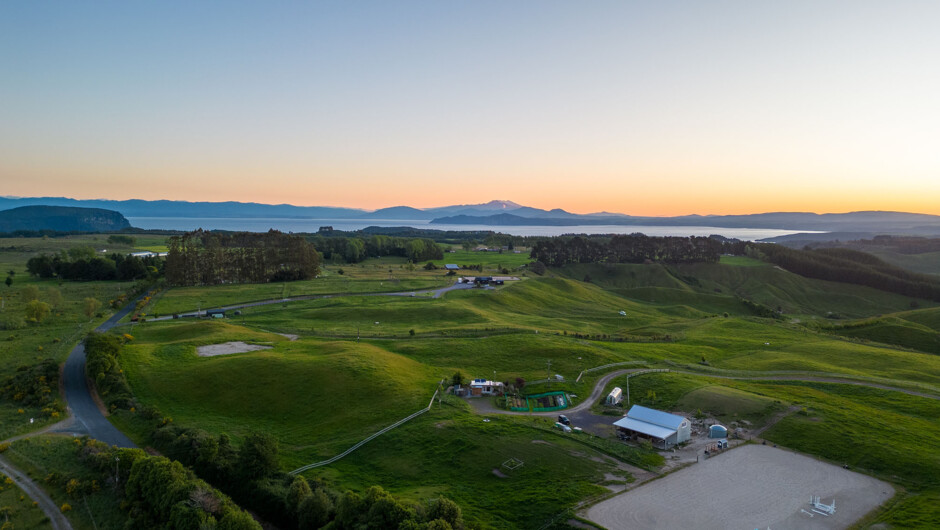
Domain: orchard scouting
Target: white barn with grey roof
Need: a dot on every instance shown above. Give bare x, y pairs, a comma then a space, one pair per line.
652, 423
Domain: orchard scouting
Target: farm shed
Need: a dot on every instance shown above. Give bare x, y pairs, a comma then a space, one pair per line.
656, 425
717, 431
215, 313
452, 267
615, 396
484, 387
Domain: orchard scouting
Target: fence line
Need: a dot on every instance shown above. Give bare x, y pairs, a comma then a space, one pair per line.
611, 365
370, 438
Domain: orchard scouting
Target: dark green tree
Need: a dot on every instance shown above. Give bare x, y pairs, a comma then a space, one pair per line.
258, 456
315, 510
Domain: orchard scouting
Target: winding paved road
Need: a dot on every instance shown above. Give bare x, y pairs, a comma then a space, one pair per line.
86, 417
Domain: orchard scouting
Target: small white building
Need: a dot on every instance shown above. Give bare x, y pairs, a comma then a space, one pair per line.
485, 387
656, 425
615, 396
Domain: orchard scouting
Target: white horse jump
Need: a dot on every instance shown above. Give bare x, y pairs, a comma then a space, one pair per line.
822, 509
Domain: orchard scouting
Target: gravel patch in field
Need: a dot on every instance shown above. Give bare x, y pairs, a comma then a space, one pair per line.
227, 348
754, 486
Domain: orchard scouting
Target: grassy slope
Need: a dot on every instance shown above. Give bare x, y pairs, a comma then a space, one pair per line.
547, 305
893, 330
714, 288
454, 453
291, 391
362, 278
927, 263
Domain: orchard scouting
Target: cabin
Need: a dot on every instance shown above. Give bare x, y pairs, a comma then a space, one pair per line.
655, 425
452, 267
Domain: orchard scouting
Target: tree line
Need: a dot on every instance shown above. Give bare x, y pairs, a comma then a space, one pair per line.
83, 264
355, 249
154, 491
249, 473
211, 258
852, 266
632, 248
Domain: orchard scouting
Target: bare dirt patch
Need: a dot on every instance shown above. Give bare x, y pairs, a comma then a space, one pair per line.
754, 486
228, 348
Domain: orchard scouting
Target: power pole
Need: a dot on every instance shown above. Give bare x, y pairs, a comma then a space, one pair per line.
549, 368
628, 390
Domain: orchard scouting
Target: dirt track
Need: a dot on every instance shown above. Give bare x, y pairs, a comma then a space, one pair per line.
753, 486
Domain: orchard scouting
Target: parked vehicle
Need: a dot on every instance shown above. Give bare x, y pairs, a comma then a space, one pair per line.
562, 427
563, 419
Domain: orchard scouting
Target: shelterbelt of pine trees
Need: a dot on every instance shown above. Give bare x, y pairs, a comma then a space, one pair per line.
210, 258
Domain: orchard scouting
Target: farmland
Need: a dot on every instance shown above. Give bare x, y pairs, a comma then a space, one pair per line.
395, 350
350, 361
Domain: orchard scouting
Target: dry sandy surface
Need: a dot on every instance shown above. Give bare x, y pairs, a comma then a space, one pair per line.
754, 486
227, 348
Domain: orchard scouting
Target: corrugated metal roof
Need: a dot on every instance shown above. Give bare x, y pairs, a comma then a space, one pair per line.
656, 417
648, 429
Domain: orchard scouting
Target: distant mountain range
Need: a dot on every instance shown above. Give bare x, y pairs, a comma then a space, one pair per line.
506, 213
62, 219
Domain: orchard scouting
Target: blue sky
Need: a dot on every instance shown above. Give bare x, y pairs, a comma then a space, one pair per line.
646, 108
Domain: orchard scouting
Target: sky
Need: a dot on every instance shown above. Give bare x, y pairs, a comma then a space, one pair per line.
644, 108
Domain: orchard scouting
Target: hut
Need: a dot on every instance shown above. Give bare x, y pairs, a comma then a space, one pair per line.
615, 396
717, 431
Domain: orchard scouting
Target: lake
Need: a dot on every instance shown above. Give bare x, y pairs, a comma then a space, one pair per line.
312, 225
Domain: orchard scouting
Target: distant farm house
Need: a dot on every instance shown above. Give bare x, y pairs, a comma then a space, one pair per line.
485, 387
655, 425
452, 267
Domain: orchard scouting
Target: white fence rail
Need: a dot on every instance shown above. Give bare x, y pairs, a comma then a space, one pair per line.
370, 438
611, 365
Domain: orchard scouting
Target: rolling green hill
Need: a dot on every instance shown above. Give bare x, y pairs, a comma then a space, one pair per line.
719, 288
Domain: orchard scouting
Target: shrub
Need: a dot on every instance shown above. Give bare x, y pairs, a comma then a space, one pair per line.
12, 322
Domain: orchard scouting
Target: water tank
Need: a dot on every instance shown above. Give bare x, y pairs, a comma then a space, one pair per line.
717, 431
